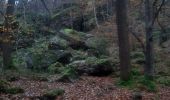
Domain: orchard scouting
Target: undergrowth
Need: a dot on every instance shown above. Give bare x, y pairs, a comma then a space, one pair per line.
138, 81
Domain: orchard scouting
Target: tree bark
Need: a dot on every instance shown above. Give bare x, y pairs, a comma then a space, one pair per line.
148, 69
123, 36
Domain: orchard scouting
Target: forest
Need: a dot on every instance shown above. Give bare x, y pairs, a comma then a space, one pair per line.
84, 49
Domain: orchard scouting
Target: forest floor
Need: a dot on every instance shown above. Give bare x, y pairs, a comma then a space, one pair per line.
86, 88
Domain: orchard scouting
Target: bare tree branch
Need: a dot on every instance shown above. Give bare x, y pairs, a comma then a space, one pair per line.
2, 13
45, 6
138, 39
157, 11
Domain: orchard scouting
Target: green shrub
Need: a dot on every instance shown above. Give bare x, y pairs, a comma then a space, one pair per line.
138, 81
165, 80
149, 84
78, 55
135, 72
14, 90
3, 86
129, 83
53, 94
138, 57
54, 68
91, 60
67, 74
135, 55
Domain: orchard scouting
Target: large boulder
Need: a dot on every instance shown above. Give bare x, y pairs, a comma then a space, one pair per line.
39, 57
97, 45
63, 74
78, 55
93, 66
76, 39
57, 43
63, 56
45, 59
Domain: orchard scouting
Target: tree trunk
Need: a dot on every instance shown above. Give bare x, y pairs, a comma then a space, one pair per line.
123, 36
148, 69
6, 42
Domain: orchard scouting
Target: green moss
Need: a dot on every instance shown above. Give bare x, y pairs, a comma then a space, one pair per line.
59, 41
73, 34
100, 44
138, 57
97, 61
139, 82
149, 84
54, 68
69, 31
3, 86
79, 55
129, 83
52, 94
68, 74
14, 90
164, 80
91, 60
135, 72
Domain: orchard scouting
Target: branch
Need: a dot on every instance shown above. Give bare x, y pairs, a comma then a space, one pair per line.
2, 13
45, 6
138, 39
158, 11
160, 25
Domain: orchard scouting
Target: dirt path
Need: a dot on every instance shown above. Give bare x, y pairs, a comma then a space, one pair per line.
87, 88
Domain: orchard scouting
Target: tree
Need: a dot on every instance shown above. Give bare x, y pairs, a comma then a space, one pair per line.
151, 15
148, 69
7, 34
123, 36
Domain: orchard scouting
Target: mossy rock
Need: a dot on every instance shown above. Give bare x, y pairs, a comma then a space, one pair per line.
97, 61
71, 34
91, 60
54, 68
52, 94
67, 74
57, 43
78, 55
75, 39
93, 66
98, 44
